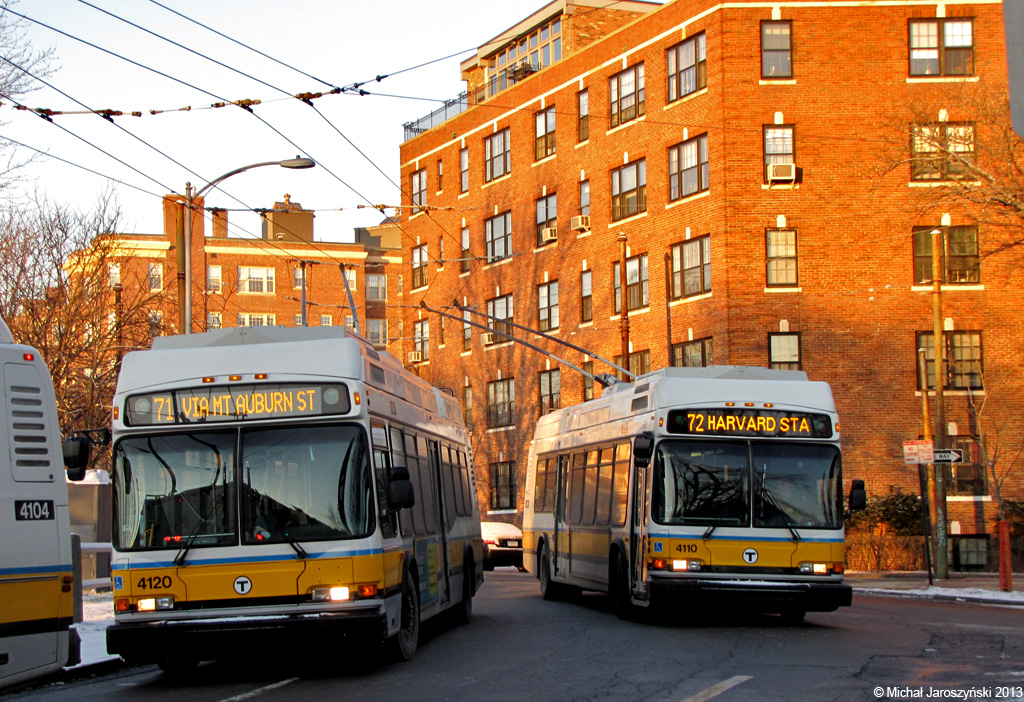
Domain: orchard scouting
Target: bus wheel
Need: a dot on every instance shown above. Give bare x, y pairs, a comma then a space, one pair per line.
464, 609
549, 589
793, 617
620, 590
405, 642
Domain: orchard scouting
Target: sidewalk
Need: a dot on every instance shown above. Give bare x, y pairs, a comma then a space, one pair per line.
982, 588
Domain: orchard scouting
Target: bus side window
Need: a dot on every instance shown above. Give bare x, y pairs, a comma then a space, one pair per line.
539, 491
379, 436
448, 479
412, 461
576, 482
467, 482
427, 487
604, 487
398, 459
621, 481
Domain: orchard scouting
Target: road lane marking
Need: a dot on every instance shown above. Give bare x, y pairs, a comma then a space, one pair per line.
258, 691
718, 689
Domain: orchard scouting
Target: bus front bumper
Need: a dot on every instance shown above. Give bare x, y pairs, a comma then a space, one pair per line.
244, 637
755, 595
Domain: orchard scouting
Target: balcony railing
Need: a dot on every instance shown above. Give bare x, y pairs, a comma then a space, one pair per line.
449, 109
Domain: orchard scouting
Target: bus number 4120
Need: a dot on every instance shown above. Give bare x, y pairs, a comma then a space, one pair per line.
33, 510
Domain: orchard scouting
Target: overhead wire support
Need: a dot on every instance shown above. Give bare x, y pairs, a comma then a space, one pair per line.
603, 380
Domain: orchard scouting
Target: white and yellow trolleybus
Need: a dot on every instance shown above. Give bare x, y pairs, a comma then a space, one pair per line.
691, 486
37, 581
281, 490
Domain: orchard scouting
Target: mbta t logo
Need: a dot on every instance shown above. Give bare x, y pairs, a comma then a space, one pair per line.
243, 585
750, 556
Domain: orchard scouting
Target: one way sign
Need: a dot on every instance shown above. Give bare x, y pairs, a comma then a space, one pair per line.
949, 456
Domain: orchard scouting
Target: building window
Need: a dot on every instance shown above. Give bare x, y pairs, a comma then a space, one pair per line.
962, 366
583, 120
501, 309
942, 151
297, 277
588, 380
545, 133
688, 167
419, 266
547, 217
629, 190
419, 190
776, 49
693, 354
778, 146
626, 95
501, 398
550, 390
691, 267
636, 284
503, 485
497, 155
114, 274
156, 276
547, 306
968, 477
255, 280
465, 251
639, 362
942, 47
440, 175
156, 323
784, 351
327, 320
780, 257
585, 198
530, 53
376, 286
214, 320
421, 338
255, 319
464, 170
214, 279
960, 256
687, 68
467, 330
377, 331
498, 237
298, 321
586, 296
467, 406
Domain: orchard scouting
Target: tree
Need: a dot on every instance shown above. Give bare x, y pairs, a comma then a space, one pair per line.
959, 144
57, 273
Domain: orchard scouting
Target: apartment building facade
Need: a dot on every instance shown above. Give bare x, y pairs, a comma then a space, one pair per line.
745, 152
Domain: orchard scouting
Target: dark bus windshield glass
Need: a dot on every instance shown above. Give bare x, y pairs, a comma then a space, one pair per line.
738, 483
286, 485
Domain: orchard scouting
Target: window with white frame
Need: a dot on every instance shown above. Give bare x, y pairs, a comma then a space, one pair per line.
501, 402
629, 190
691, 267
497, 155
465, 251
944, 151
419, 266
467, 330
544, 135
156, 323
113, 274
583, 115
942, 47
376, 286
962, 361
547, 217
547, 306
464, 170
626, 95
778, 146
156, 276
637, 295
688, 170
784, 351
781, 258
585, 198
326, 320
776, 49
214, 279
297, 277
257, 319
214, 320
501, 309
687, 67
586, 296
419, 190
498, 237
253, 279
693, 354
421, 338
377, 331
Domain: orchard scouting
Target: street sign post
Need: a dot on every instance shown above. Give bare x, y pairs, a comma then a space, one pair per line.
949, 456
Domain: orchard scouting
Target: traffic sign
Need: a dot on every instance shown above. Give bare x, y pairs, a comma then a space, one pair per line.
949, 456
921, 451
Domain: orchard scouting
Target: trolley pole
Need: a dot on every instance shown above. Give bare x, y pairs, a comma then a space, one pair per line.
624, 316
941, 558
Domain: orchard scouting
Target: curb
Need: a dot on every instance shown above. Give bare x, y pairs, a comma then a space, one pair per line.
881, 592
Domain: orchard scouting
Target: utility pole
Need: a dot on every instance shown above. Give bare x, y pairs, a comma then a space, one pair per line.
302, 264
941, 558
924, 470
624, 316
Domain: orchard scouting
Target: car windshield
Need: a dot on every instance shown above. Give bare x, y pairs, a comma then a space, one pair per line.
282, 485
739, 483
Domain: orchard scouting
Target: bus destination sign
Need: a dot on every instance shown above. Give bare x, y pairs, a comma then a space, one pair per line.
735, 421
236, 403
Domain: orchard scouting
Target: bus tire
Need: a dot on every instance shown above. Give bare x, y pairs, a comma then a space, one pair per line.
793, 616
549, 589
624, 608
464, 609
406, 641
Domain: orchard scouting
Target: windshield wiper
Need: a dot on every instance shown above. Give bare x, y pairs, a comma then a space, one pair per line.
204, 519
299, 551
769, 499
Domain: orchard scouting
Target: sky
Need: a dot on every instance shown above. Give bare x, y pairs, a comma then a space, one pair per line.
325, 43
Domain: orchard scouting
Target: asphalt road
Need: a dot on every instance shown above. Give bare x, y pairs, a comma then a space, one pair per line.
519, 647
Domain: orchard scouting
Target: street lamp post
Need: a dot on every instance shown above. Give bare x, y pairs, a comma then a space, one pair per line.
941, 558
190, 197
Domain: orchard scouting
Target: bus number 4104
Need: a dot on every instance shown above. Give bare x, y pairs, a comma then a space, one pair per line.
33, 510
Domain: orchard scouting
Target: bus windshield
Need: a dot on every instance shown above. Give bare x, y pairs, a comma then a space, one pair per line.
739, 483
285, 484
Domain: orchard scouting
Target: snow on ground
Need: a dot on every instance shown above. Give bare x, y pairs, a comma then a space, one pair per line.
966, 594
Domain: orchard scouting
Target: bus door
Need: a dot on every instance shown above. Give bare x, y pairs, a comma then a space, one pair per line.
561, 532
443, 557
642, 449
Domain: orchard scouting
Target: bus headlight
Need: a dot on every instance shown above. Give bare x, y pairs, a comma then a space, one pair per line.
330, 594
814, 568
151, 604
688, 564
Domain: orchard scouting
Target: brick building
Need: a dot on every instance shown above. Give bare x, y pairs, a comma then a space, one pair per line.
743, 150
240, 281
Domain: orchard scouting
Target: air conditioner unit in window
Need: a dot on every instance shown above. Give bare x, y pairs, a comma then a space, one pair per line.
415, 356
580, 223
781, 172
487, 339
548, 234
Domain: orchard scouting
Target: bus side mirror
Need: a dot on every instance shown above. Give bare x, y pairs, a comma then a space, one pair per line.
400, 494
858, 496
76, 456
643, 449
